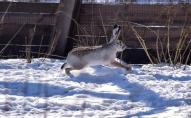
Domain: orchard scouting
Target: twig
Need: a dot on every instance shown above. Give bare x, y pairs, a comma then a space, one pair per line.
142, 42
163, 55
30, 43
168, 43
179, 45
186, 48
187, 60
2, 50
40, 44
103, 27
3, 17
78, 25
145, 27
159, 59
53, 44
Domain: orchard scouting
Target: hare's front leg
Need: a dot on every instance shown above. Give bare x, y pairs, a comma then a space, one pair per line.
117, 64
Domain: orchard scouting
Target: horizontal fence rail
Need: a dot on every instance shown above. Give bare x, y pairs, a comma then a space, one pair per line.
146, 19
153, 22
38, 21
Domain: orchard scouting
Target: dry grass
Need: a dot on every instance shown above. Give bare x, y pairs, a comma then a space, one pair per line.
166, 53
179, 56
40, 46
142, 42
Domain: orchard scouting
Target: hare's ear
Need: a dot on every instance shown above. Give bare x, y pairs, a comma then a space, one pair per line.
116, 32
115, 26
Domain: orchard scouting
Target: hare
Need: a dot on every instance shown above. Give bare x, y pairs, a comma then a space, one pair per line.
81, 57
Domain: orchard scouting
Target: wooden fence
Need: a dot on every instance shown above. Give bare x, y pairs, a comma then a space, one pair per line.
37, 27
29, 15
45, 22
148, 20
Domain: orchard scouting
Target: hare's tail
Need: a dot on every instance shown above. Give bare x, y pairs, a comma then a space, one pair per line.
64, 65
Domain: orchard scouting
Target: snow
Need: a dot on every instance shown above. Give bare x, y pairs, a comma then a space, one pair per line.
41, 89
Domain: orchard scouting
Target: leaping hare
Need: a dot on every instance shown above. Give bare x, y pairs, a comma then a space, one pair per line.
81, 57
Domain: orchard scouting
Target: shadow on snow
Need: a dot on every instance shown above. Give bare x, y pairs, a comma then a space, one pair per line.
134, 91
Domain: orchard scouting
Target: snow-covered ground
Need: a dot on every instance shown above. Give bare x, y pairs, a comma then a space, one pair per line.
40, 89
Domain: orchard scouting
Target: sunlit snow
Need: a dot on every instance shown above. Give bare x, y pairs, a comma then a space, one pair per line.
41, 89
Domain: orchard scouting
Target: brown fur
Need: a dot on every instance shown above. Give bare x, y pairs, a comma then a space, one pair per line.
117, 64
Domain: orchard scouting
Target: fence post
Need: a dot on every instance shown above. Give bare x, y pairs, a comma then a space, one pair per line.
65, 27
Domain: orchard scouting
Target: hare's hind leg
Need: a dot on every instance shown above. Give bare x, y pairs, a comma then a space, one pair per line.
62, 67
65, 65
74, 67
67, 71
117, 64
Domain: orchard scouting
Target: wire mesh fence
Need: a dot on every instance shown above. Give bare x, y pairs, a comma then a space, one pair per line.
97, 20
37, 18
154, 21
136, 1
